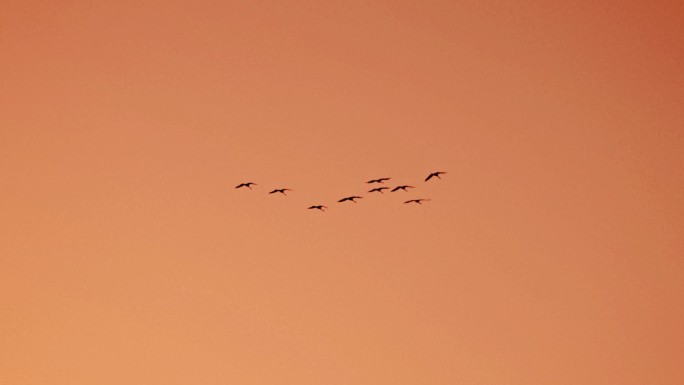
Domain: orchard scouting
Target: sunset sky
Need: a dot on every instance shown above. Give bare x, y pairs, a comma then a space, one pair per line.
551, 253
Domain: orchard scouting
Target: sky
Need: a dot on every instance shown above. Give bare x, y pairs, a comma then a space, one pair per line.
550, 252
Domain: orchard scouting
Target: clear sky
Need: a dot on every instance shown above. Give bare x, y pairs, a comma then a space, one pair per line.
550, 253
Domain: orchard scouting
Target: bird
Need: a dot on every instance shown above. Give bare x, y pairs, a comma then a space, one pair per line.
417, 201
380, 180
248, 185
319, 207
403, 187
280, 190
351, 198
437, 174
379, 189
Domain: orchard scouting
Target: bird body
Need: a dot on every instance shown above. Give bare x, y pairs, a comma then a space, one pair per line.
416, 201
437, 174
380, 180
319, 207
280, 190
379, 189
402, 187
351, 198
248, 185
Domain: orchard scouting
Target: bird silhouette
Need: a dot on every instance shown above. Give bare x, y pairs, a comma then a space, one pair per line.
402, 187
379, 189
248, 185
280, 190
416, 200
381, 180
319, 207
437, 174
351, 198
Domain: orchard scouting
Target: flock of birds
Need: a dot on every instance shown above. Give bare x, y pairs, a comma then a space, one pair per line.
354, 197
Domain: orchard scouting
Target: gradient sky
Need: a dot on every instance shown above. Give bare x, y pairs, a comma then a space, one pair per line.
551, 252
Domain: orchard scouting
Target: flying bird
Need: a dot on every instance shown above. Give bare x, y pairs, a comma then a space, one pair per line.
437, 174
280, 190
319, 207
403, 187
379, 189
417, 201
381, 180
351, 198
248, 185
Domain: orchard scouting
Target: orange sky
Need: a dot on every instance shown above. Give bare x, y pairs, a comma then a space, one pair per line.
551, 252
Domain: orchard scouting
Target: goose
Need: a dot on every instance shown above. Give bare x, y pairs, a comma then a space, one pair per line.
381, 180
437, 174
379, 189
351, 198
403, 187
416, 200
280, 190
